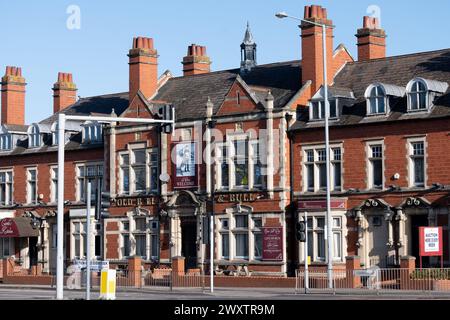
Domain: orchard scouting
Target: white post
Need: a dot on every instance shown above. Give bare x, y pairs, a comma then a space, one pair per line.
306, 254
328, 233
88, 241
60, 216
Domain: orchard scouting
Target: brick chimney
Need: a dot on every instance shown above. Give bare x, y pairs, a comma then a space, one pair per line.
143, 67
64, 92
13, 96
371, 40
196, 61
312, 50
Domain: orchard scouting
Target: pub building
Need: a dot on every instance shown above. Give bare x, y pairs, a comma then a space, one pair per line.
247, 148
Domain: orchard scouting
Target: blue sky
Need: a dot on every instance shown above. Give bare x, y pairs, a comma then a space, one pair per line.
35, 36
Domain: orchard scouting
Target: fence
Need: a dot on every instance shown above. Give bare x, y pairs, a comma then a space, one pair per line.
389, 280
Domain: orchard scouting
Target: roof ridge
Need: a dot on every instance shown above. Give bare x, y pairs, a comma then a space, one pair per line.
406, 55
104, 95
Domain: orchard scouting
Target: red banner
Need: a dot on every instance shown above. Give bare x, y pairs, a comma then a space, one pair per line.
8, 228
431, 241
272, 244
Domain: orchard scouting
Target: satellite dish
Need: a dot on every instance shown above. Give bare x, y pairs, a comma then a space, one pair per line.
164, 177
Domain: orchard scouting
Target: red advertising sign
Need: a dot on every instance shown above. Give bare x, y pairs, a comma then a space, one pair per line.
431, 241
272, 244
336, 204
8, 228
185, 165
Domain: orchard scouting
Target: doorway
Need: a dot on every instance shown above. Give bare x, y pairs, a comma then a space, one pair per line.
32, 243
189, 241
416, 222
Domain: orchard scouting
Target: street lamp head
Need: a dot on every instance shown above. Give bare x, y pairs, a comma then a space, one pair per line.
281, 15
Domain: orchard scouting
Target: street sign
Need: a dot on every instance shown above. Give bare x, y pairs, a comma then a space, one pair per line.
95, 265
430, 241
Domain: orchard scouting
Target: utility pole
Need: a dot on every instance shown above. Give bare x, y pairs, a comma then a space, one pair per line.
88, 240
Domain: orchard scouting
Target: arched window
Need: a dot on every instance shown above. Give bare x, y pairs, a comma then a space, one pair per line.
417, 95
34, 136
5, 141
376, 99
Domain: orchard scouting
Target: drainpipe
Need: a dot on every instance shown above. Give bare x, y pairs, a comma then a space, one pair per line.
292, 206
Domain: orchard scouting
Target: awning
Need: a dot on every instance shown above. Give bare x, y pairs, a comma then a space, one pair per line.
17, 228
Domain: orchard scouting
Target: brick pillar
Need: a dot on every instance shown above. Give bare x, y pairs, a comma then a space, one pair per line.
178, 271
351, 264
134, 271
407, 266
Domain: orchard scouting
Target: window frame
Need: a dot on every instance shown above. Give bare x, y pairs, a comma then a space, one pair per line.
81, 179
151, 234
6, 141
369, 97
29, 186
320, 104
9, 187
410, 93
410, 156
53, 184
370, 167
34, 137
306, 163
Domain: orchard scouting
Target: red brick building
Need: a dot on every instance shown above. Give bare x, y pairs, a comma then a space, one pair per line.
248, 147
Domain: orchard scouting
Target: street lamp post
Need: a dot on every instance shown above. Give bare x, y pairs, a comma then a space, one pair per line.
328, 234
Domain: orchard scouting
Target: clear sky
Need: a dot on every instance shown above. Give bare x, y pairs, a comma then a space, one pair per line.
35, 36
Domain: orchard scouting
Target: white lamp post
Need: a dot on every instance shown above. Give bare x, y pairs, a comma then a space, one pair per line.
329, 234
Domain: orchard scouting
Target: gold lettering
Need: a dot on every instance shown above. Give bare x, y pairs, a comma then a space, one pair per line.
139, 201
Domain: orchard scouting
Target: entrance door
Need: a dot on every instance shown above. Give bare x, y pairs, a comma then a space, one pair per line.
416, 222
32, 242
188, 242
378, 237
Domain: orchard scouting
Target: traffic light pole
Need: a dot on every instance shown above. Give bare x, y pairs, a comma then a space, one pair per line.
62, 118
306, 254
88, 241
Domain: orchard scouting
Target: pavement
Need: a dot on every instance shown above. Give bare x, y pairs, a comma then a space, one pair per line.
17, 292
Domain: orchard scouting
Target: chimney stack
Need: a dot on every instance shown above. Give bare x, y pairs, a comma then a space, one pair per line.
13, 96
371, 40
143, 68
196, 61
312, 47
64, 92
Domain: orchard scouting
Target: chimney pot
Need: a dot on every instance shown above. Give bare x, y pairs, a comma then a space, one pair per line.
307, 14
196, 61
371, 40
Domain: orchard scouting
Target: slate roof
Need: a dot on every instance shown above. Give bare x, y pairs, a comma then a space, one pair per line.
190, 94
398, 71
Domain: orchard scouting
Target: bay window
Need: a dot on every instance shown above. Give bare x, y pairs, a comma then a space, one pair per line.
144, 234
316, 238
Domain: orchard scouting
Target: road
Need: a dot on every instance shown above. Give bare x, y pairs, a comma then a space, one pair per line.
37, 293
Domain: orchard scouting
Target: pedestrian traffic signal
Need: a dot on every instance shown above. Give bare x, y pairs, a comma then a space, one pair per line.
300, 231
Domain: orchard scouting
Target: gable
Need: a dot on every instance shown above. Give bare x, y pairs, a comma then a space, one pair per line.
239, 100
138, 108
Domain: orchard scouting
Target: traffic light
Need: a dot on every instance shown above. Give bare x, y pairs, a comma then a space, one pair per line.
300, 231
102, 204
167, 112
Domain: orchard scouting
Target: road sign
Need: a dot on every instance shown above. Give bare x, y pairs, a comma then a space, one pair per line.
95, 265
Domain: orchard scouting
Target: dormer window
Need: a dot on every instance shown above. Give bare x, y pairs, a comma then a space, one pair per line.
92, 132
318, 109
55, 133
34, 137
421, 93
5, 142
378, 97
377, 100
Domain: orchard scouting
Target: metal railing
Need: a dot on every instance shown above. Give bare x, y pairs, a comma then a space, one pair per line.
388, 280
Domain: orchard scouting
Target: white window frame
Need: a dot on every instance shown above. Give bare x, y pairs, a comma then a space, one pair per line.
410, 156
9, 187
53, 184
29, 181
148, 170
410, 92
315, 149
320, 103
369, 164
83, 237
92, 132
80, 179
341, 231
368, 96
5, 142
34, 137
10, 245
249, 232
149, 234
